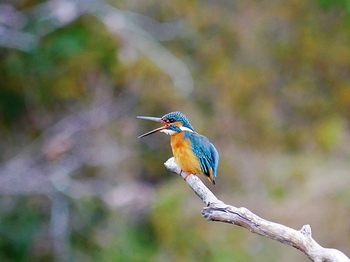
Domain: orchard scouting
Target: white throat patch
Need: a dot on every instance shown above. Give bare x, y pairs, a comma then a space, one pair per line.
186, 129
171, 132
168, 132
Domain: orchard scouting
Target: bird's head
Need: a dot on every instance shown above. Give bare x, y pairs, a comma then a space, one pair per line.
174, 122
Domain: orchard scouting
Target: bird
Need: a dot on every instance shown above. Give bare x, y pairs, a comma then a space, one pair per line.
193, 152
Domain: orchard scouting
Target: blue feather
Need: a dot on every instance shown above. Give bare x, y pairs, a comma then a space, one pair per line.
206, 152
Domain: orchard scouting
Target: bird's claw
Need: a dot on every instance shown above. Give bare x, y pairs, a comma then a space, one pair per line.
187, 174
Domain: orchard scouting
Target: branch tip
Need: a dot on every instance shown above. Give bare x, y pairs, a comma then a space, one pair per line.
306, 231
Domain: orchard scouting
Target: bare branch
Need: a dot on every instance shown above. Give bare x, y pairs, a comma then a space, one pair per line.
217, 210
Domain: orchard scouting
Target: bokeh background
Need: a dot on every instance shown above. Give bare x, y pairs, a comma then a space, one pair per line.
267, 81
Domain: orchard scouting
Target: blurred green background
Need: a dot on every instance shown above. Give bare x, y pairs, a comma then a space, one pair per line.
267, 81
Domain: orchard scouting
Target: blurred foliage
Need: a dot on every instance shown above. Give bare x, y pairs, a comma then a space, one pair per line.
20, 226
271, 90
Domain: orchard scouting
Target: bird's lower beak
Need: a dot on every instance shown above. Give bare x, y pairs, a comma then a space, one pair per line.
156, 119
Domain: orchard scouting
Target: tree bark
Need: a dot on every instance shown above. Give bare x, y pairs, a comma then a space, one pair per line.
217, 210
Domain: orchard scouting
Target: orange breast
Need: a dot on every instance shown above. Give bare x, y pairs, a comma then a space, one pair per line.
183, 154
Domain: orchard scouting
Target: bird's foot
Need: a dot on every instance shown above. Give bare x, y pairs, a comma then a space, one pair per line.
187, 174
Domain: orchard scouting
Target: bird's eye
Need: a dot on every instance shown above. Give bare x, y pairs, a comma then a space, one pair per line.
171, 120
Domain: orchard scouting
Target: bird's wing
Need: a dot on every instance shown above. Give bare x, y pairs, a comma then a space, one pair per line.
206, 152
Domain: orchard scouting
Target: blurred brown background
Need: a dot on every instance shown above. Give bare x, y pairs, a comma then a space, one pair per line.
267, 81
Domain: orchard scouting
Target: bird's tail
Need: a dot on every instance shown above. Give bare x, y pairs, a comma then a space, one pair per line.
211, 176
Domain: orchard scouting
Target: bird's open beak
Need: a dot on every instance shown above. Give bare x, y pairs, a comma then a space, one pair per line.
156, 119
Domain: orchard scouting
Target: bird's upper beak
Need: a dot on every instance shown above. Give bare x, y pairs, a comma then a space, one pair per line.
156, 119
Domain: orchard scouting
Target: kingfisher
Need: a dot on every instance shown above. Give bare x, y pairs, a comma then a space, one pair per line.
193, 153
